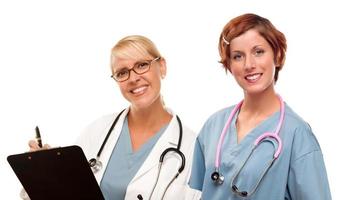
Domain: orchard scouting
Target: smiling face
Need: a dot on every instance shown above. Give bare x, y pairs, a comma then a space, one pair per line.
141, 90
252, 62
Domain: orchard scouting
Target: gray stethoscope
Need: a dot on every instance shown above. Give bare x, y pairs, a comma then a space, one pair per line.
96, 164
218, 178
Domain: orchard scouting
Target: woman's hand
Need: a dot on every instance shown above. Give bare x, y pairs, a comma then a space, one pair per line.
33, 144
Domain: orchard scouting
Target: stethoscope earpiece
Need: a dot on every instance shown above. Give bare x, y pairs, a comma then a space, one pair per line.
217, 178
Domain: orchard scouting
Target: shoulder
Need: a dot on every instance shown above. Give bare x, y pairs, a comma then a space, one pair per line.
293, 118
100, 123
210, 131
188, 133
219, 117
95, 130
296, 123
102, 120
300, 134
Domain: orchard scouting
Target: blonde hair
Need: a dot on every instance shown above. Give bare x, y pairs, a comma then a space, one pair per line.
134, 47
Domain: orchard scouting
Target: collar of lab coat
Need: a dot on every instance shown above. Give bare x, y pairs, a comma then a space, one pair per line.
168, 139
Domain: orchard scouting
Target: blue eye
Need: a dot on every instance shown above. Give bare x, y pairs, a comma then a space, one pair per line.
259, 52
237, 57
122, 73
142, 65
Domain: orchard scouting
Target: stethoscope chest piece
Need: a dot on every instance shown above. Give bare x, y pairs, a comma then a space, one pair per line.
95, 164
217, 178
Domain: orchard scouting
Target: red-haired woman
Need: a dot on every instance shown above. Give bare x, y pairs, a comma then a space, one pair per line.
260, 148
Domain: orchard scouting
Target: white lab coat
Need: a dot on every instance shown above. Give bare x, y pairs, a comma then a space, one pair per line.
93, 136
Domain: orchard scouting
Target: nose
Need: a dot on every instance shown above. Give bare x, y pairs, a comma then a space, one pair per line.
249, 62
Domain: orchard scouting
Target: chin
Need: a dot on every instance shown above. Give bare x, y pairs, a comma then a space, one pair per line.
256, 89
144, 101
141, 103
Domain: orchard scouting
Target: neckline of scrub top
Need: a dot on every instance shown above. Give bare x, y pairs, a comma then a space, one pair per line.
267, 125
123, 164
152, 140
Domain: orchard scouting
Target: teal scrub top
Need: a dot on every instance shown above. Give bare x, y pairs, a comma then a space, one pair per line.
124, 163
298, 173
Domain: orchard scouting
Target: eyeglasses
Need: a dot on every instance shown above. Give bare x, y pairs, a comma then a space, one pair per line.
139, 68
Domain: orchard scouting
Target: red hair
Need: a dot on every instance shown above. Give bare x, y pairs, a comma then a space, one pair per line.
265, 28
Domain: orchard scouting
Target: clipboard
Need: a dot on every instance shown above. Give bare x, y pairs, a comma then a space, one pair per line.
58, 173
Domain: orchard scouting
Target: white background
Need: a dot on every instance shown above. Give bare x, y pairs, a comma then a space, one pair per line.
54, 66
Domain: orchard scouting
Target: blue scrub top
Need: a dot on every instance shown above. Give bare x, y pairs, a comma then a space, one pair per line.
124, 163
298, 173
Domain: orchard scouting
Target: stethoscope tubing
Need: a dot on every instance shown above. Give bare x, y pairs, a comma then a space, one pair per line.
223, 134
96, 164
274, 135
108, 134
219, 178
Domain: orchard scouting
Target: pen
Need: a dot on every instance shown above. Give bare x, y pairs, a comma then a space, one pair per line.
38, 137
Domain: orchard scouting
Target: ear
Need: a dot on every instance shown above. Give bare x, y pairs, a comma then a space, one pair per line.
163, 68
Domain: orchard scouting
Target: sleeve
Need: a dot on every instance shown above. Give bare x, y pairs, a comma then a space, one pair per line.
93, 135
196, 180
308, 178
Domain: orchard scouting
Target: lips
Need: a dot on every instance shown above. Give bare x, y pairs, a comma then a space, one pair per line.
253, 77
139, 90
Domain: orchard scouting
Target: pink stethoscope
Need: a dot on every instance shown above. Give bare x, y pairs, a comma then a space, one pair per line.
218, 178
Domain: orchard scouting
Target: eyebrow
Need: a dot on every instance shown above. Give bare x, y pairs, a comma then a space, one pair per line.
125, 67
253, 48
118, 69
237, 51
257, 46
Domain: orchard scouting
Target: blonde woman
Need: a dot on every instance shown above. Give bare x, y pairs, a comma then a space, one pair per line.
125, 149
